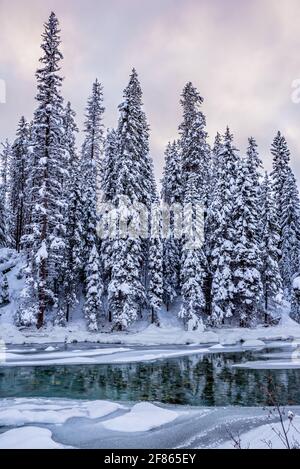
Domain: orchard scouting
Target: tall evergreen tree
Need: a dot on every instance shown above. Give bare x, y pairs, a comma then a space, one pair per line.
172, 199
281, 161
4, 165
108, 198
18, 192
246, 252
3, 234
4, 192
91, 161
134, 165
155, 287
223, 251
108, 186
135, 185
126, 293
269, 245
287, 205
290, 232
196, 160
46, 231
94, 290
73, 214
195, 150
193, 270
211, 220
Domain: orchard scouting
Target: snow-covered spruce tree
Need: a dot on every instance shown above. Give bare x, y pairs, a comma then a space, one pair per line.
287, 205
135, 184
45, 232
4, 290
4, 190
224, 236
211, 219
18, 192
91, 160
193, 260
215, 166
90, 163
281, 161
126, 293
254, 166
73, 215
109, 179
196, 161
3, 234
269, 245
155, 265
195, 151
171, 197
246, 252
94, 290
108, 188
134, 165
5, 156
290, 232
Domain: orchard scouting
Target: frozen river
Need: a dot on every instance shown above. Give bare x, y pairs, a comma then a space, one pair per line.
126, 397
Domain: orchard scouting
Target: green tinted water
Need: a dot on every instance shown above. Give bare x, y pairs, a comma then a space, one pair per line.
208, 380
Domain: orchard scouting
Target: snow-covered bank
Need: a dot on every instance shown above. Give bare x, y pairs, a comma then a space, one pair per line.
267, 436
151, 335
29, 438
170, 331
54, 423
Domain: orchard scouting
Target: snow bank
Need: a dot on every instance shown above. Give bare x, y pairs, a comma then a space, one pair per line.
142, 418
265, 436
50, 349
23, 412
28, 438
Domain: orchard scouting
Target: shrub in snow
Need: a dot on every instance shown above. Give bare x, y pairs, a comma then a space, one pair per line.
26, 316
195, 324
4, 290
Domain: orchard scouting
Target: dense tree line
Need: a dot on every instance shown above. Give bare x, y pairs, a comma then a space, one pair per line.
92, 228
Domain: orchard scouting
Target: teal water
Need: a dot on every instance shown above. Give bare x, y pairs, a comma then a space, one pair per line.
208, 380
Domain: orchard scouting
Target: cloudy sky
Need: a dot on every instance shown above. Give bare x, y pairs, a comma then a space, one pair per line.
243, 56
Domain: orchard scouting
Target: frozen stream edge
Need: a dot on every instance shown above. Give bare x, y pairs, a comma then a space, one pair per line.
171, 427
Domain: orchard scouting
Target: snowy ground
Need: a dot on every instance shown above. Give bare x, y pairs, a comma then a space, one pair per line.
54, 423
170, 331
167, 334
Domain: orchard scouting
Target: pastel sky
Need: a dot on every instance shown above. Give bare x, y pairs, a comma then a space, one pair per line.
242, 55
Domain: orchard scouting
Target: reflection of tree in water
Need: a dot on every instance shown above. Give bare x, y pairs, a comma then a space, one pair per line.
195, 380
